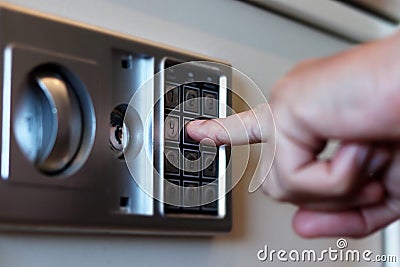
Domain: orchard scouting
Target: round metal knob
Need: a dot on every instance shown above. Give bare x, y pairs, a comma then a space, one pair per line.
49, 123
61, 123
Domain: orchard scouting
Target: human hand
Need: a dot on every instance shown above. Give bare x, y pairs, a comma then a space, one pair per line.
353, 97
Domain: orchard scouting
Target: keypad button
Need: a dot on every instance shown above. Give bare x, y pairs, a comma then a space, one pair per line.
187, 139
209, 165
191, 162
191, 100
210, 104
210, 196
191, 195
171, 96
171, 160
172, 193
171, 128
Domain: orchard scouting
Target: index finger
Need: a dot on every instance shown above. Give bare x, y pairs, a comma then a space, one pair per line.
248, 127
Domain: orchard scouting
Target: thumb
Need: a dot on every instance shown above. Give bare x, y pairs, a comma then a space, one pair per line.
247, 127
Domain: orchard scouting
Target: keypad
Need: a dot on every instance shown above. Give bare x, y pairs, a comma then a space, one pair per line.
192, 166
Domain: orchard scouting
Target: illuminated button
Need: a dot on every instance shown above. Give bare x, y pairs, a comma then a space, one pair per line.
210, 104
209, 165
191, 101
191, 162
171, 161
191, 195
172, 194
171, 128
171, 96
210, 196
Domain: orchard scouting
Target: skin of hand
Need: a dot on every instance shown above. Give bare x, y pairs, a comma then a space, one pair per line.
354, 97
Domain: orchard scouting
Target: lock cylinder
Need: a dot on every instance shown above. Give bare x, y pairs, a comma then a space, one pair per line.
119, 134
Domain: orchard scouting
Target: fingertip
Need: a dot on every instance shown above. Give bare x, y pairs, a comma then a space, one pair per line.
193, 129
304, 225
209, 131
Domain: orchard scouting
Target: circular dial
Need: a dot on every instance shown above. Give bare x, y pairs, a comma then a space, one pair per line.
49, 124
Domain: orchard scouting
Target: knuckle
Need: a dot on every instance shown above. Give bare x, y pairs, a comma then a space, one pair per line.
340, 186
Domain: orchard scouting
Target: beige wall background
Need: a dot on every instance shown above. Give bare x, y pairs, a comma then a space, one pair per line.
260, 44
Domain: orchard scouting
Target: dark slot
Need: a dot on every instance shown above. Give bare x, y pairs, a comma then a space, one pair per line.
126, 63
124, 202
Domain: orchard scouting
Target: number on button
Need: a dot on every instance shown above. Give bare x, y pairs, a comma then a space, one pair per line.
171, 161
191, 103
209, 165
210, 196
191, 195
171, 96
191, 162
172, 193
171, 128
210, 104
